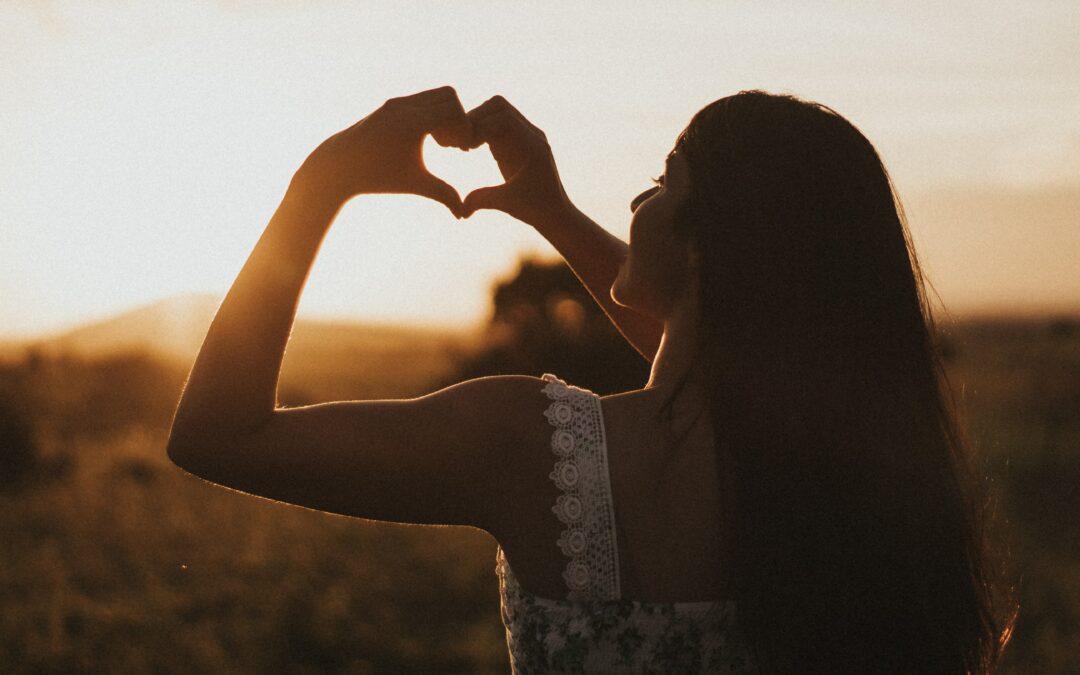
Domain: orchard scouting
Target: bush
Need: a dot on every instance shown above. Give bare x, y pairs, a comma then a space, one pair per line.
544, 320
19, 453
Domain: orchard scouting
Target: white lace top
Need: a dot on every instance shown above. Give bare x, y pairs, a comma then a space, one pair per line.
594, 629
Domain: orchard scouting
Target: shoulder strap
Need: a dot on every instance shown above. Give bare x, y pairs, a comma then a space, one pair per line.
585, 503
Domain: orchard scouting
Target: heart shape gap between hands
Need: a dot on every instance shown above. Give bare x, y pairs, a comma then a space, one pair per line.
464, 170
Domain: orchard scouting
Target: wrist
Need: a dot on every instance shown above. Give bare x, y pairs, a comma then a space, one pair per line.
308, 210
313, 192
553, 218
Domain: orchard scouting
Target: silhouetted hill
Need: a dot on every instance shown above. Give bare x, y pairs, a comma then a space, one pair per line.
176, 327
324, 360
173, 328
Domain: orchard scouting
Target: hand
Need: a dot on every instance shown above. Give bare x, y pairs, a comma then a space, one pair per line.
532, 191
383, 152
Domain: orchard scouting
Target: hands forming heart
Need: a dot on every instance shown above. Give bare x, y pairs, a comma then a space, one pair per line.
383, 153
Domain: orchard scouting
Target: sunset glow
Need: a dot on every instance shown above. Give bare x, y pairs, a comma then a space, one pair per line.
145, 147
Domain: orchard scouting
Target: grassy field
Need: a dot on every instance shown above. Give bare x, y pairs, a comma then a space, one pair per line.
115, 560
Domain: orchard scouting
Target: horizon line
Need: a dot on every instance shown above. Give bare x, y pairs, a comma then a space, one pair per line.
973, 312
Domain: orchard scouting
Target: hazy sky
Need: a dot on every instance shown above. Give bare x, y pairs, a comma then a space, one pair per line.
144, 146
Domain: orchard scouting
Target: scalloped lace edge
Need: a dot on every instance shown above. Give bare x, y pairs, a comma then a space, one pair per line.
572, 508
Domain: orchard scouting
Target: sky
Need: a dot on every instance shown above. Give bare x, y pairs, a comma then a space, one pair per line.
145, 146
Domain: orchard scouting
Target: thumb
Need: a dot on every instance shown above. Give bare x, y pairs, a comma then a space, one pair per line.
442, 192
491, 197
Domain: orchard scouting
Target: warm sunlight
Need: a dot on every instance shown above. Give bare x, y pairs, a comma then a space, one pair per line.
274, 399
145, 148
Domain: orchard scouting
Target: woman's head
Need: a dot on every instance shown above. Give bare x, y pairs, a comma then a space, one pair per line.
860, 518
768, 190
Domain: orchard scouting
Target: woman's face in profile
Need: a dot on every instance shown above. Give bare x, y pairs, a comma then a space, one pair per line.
652, 275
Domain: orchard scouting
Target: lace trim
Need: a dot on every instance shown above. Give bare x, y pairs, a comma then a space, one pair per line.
585, 505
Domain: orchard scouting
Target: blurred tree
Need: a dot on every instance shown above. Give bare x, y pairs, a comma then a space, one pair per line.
544, 320
18, 446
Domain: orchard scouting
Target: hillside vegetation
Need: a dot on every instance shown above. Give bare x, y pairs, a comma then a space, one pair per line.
115, 560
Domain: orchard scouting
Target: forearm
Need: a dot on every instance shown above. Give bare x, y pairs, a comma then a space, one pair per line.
595, 255
233, 383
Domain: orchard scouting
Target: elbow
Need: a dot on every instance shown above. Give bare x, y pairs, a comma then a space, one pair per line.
193, 457
180, 452
183, 441
201, 449
185, 448
192, 441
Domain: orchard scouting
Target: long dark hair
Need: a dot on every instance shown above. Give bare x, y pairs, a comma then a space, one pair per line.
861, 521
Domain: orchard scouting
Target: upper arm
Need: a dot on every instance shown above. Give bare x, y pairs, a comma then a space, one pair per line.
436, 459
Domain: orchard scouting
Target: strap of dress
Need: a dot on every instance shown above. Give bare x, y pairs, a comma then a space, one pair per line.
584, 504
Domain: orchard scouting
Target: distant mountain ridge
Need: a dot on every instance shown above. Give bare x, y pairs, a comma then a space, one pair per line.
175, 327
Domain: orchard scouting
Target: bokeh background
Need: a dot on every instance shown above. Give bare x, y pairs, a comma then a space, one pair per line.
144, 146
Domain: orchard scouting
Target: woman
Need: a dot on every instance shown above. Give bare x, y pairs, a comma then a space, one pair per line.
788, 492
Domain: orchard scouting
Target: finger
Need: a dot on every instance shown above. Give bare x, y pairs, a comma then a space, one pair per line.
506, 106
482, 112
492, 197
442, 192
429, 96
447, 123
497, 115
497, 104
496, 125
489, 106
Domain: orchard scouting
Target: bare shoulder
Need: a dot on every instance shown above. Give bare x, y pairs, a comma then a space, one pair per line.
490, 388
517, 479
510, 407
506, 410
505, 402
629, 409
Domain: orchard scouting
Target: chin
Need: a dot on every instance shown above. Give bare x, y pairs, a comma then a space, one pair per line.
627, 298
616, 297
615, 291
618, 292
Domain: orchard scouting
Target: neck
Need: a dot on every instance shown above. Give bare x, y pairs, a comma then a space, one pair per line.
674, 357
677, 356
676, 374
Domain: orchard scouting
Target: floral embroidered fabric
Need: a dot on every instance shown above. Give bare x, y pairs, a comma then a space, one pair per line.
594, 629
